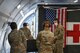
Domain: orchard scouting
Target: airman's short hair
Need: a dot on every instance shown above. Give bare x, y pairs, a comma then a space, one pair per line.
25, 24
13, 25
45, 22
56, 19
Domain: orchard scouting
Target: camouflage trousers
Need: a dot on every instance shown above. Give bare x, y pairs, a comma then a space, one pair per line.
45, 49
18, 49
58, 48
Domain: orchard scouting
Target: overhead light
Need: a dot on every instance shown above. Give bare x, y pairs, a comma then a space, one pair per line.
46, 3
21, 12
75, 1
18, 7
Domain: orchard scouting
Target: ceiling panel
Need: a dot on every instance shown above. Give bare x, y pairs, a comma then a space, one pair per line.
1, 1
8, 5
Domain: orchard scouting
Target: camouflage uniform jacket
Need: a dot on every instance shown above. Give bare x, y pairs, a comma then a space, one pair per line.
17, 41
45, 41
27, 33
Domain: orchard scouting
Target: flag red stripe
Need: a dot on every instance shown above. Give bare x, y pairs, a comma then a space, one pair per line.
59, 14
62, 16
51, 27
65, 14
63, 21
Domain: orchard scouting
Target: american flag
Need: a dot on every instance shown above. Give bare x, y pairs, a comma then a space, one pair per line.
56, 13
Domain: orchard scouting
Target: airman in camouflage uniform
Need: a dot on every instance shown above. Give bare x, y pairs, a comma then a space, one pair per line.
26, 32
45, 39
59, 37
16, 40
